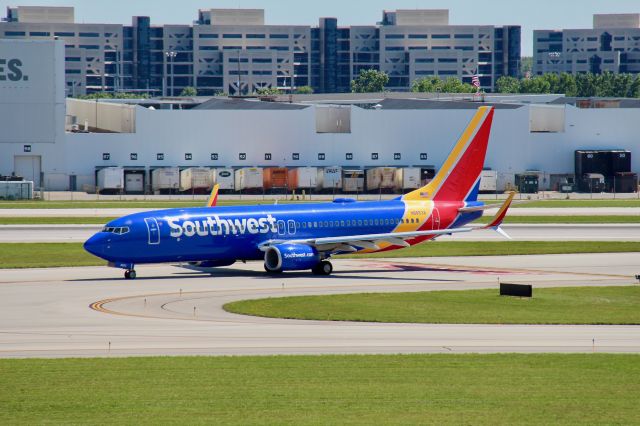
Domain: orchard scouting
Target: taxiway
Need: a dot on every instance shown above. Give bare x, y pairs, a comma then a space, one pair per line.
92, 311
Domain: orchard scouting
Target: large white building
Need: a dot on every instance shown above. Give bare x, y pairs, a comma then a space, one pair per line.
533, 133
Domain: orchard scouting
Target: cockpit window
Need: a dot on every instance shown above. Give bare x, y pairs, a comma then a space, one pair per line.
116, 229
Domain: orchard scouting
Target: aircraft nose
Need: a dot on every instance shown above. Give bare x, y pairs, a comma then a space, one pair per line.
96, 245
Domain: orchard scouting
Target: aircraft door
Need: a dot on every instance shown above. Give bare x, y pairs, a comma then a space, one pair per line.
153, 230
435, 219
281, 227
291, 225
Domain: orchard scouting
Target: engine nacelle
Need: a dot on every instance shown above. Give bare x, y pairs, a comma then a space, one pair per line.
290, 257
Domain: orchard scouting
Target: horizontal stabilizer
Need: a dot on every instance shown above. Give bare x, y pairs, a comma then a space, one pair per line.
489, 206
500, 231
502, 212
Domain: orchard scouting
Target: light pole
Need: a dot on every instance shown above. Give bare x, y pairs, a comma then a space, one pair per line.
291, 77
171, 57
239, 81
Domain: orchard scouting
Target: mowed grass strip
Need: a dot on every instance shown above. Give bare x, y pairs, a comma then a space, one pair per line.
377, 389
70, 220
564, 219
55, 220
571, 305
45, 255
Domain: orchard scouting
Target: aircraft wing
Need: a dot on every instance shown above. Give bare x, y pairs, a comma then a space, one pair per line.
368, 241
349, 243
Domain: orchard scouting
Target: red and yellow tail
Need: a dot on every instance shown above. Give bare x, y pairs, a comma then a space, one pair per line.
213, 198
460, 173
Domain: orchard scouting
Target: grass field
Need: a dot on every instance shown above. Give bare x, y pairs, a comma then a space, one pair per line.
571, 305
390, 389
55, 220
45, 255
564, 219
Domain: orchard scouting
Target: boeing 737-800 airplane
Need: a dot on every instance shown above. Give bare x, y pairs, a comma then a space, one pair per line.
304, 236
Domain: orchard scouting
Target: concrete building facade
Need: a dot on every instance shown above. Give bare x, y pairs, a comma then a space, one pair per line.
233, 51
612, 45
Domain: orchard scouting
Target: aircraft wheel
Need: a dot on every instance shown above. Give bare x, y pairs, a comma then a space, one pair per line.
323, 268
130, 274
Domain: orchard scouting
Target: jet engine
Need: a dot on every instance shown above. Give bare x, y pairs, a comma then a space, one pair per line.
290, 257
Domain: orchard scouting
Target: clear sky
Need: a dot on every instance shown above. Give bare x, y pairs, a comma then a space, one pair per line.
537, 14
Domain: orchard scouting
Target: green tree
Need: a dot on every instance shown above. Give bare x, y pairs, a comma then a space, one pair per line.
621, 85
507, 84
566, 84
427, 85
369, 81
435, 84
634, 89
536, 84
586, 85
110, 95
304, 90
454, 85
189, 91
266, 91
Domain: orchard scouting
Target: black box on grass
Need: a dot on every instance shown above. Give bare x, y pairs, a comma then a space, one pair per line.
520, 290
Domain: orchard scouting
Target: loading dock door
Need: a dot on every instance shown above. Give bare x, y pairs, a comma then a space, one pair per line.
133, 182
28, 166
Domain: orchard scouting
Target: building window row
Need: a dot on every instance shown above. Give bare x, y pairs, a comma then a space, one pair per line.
426, 36
249, 36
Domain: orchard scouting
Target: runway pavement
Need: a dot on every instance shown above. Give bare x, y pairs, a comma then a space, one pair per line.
92, 311
519, 232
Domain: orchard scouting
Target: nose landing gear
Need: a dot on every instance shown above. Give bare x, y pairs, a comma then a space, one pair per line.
130, 274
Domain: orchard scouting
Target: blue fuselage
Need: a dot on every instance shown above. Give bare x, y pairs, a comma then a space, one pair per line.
235, 233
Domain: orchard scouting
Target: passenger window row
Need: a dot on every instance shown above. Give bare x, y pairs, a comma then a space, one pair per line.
352, 223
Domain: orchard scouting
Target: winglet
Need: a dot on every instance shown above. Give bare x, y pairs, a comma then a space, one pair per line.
500, 215
213, 198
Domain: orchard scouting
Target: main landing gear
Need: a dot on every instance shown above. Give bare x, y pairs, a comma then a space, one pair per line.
130, 274
323, 268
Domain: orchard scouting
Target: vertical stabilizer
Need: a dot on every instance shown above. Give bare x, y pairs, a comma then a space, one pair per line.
459, 176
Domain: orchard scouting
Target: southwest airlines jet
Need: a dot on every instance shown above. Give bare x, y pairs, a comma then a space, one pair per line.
291, 237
